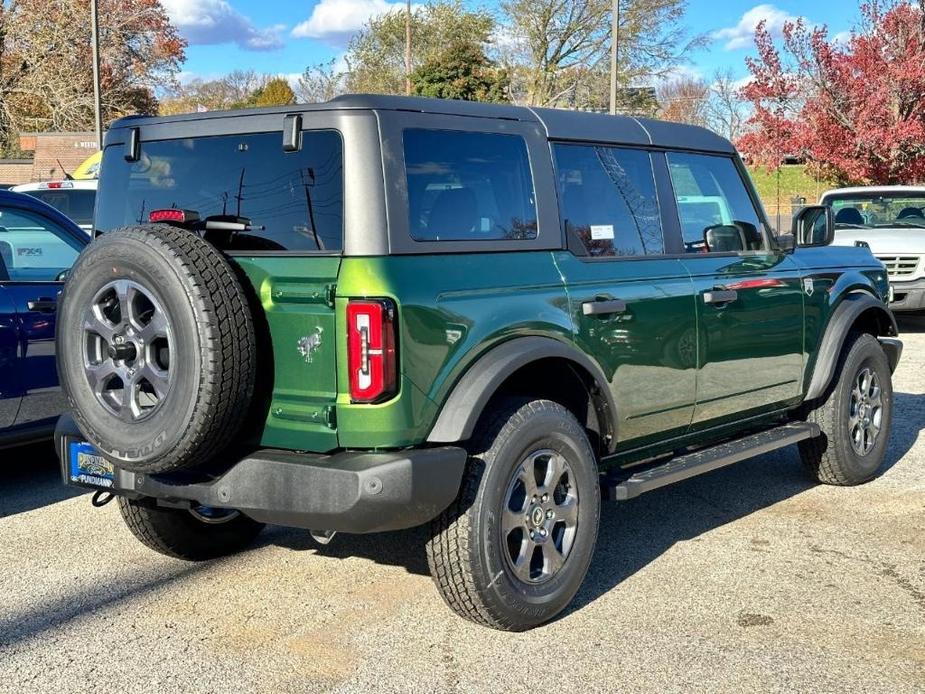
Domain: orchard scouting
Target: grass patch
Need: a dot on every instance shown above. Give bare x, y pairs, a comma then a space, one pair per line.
777, 188
794, 181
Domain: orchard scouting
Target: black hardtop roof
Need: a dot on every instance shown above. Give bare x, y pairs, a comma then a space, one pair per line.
560, 124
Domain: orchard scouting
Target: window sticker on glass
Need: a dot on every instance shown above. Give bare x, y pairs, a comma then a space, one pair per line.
600, 232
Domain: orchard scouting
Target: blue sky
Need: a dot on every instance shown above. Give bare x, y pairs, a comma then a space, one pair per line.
283, 36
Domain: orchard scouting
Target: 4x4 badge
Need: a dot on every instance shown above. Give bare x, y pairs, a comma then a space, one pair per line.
808, 286
310, 344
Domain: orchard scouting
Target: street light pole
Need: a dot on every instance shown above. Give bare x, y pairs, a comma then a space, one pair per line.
614, 42
408, 48
95, 40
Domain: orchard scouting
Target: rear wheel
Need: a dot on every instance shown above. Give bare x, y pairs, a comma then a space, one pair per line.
513, 549
195, 535
855, 417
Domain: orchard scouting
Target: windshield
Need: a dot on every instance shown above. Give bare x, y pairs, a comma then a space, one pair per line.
76, 204
878, 211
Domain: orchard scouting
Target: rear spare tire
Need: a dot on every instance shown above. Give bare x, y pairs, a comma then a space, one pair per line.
156, 348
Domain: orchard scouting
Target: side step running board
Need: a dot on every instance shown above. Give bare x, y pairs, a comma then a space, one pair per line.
707, 459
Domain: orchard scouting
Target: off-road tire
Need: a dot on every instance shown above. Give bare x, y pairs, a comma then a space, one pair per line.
179, 534
465, 552
831, 458
213, 353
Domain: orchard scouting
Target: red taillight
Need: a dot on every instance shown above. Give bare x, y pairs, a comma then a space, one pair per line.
172, 215
371, 356
57, 185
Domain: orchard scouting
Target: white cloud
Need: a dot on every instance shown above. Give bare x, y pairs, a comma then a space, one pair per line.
203, 22
292, 78
743, 82
742, 34
678, 72
337, 20
841, 38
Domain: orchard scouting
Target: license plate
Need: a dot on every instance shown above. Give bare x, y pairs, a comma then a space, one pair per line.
88, 467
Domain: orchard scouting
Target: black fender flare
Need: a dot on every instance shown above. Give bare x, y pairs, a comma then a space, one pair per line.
843, 317
464, 405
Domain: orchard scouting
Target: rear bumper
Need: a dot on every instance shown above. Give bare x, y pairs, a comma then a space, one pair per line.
908, 296
352, 492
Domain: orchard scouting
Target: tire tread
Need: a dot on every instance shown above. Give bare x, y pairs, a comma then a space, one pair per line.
450, 552
820, 455
228, 346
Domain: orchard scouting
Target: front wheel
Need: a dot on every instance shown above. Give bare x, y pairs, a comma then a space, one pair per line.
855, 416
513, 549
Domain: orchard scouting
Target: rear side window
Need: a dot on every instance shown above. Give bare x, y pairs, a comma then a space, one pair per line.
717, 214
294, 200
74, 203
468, 186
607, 200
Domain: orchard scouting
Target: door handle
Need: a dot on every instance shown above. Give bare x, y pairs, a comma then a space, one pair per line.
42, 305
603, 307
720, 296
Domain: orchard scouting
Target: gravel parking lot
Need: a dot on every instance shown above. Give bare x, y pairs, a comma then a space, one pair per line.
749, 578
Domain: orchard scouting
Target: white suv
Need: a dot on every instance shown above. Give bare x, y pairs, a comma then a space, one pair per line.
891, 220
73, 199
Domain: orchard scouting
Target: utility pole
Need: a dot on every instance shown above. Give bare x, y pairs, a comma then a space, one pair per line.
95, 40
614, 43
408, 48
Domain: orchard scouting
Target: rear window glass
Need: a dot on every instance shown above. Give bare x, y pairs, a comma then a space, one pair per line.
74, 204
293, 200
468, 186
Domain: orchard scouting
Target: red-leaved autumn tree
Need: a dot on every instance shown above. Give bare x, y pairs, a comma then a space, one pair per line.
854, 109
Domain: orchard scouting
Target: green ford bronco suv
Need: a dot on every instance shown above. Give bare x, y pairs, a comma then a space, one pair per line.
375, 312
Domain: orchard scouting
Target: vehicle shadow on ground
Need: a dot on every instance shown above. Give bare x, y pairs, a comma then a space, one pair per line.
403, 548
632, 534
635, 533
910, 324
52, 614
30, 478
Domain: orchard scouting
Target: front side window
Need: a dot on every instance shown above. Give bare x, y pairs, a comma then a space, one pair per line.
608, 201
717, 214
32, 248
292, 200
468, 186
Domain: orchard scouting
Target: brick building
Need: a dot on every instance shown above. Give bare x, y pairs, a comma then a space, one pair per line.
15, 171
55, 155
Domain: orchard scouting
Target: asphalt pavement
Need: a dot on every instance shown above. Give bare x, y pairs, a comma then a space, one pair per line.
746, 579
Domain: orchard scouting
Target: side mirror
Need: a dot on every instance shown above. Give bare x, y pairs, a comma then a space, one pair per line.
814, 226
724, 238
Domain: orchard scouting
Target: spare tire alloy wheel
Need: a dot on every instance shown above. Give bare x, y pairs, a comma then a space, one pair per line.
540, 517
156, 349
127, 341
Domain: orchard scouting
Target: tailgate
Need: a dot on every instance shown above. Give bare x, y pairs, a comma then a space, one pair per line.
297, 295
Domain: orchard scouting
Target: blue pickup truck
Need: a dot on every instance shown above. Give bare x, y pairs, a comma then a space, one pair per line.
38, 245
